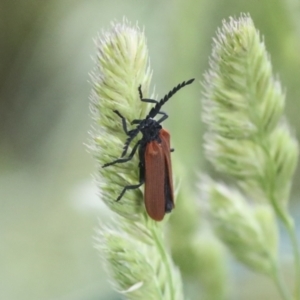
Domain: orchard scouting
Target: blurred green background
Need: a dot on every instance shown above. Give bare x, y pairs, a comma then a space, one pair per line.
49, 208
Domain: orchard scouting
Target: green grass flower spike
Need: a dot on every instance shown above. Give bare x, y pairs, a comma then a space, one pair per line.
133, 252
248, 138
121, 66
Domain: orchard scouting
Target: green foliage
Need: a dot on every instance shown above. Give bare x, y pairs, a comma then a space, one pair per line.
239, 226
249, 139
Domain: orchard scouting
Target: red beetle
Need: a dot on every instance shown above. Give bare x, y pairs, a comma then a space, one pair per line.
154, 154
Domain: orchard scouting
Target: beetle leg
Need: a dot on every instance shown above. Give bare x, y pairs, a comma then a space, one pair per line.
144, 99
129, 187
164, 117
123, 160
124, 124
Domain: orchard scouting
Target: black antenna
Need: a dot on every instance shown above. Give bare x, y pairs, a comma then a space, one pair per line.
154, 110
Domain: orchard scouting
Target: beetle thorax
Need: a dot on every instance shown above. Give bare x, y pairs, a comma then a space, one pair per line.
150, 129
